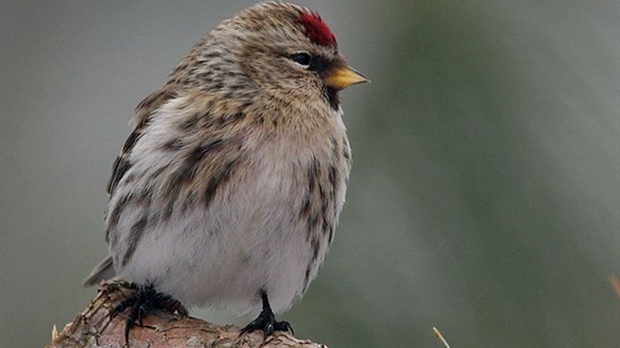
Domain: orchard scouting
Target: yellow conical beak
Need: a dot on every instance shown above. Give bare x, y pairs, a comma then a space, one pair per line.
344, 76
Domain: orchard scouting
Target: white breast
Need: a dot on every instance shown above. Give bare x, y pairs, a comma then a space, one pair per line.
251, 236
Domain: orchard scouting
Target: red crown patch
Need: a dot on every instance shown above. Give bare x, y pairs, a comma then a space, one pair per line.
316, 30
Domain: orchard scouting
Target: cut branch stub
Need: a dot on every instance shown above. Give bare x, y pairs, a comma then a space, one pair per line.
94, 328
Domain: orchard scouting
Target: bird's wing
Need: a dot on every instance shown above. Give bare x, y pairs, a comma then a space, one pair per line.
105, 268
141, 117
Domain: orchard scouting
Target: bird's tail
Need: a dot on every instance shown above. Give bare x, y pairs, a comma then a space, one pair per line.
104, 270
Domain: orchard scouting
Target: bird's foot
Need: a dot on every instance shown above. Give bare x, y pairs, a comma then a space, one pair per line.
266, 322
144, 301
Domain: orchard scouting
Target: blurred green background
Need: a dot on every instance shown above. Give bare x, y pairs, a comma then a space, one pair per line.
485, 193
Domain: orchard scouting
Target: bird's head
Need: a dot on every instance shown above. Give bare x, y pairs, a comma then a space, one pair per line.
283, 51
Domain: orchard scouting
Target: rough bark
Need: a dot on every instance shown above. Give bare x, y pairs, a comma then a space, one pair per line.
94, 328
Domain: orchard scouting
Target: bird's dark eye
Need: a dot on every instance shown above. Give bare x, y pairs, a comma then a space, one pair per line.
302, 58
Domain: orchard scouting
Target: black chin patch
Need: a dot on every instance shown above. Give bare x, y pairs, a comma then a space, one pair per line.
332, 97
322, 67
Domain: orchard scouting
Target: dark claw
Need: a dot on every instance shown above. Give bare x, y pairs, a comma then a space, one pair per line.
284, 326
266, 321
142, 302
128, 325
141, 314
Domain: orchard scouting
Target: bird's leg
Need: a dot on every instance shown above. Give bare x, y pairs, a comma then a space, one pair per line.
144, 301
266, 320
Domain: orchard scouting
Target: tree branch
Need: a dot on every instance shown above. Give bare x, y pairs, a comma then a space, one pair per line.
94, 328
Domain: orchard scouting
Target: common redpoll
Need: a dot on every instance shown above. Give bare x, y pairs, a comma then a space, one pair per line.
228, 191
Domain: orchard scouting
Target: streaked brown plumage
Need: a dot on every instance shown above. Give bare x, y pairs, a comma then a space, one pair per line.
228, 191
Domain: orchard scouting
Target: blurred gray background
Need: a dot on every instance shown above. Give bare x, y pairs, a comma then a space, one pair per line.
485, 193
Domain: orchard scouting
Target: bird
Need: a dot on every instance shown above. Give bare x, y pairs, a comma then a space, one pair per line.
228, 190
